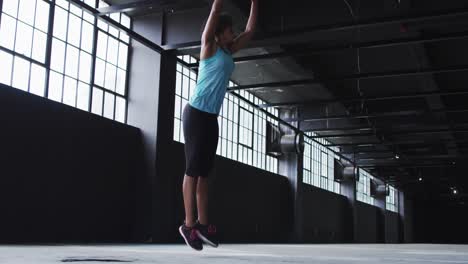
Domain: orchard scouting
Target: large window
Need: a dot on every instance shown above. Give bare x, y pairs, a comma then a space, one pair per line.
363, 188
185, 87
24, 26
242, 128
392, 200
319, 165
246, 127
66, 62
363, 192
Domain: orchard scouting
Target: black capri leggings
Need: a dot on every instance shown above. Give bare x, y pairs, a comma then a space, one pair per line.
201, 140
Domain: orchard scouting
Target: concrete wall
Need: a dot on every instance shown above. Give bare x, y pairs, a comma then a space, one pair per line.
142, 113
368, 224
66, 175
245, 213
407, 221
392, 227
327, 216
152, 82
440, 221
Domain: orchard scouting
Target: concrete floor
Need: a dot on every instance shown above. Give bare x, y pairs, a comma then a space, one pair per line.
255, 253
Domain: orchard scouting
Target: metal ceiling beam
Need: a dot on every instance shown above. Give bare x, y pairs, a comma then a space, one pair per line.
332, 129
366, 99
392, 159
356, 45
414, 164
395, 133
314, 127
406, 142
362, 76
362, 152
365, 116
345, 135
445, 156
380, 154
381, 115
153, 5
365, 165
286, 38
370, 144
408, 149
129, 7
374, 158
408, 166
311, 127
372, 23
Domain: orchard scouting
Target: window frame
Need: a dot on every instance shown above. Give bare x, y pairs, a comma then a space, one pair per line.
120, 101
251, 131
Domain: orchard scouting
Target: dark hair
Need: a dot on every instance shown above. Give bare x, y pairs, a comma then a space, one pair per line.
224, 21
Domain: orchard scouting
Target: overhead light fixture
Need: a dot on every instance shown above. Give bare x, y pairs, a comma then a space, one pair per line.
420, 179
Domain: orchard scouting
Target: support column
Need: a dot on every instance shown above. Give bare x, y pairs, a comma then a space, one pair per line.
142, 113
348, 189
406, 207
151, 108
166, 223
291, 165
380, 202
401, 216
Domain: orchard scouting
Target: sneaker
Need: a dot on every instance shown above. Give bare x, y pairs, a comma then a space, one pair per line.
190, 236
207, 233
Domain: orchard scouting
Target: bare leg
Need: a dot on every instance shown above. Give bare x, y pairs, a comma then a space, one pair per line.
188, 188
202, 200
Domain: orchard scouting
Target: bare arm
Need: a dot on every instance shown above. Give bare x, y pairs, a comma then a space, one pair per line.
242, 40
208, 36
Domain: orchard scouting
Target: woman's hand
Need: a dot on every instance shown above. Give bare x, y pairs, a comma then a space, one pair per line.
242, 40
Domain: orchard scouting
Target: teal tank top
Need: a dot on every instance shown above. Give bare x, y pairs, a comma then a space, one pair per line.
213, 78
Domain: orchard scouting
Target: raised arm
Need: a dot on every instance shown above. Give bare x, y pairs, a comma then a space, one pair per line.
242, 40
208, 36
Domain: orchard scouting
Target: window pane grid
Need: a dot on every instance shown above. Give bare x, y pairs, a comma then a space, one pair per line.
392, 199
363, 188
318, 169
25, 35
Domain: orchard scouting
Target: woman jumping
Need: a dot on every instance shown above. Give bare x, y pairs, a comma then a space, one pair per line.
200, 119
